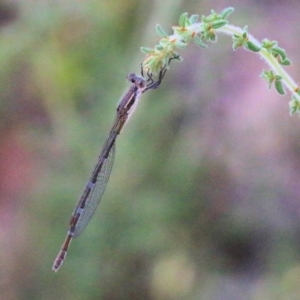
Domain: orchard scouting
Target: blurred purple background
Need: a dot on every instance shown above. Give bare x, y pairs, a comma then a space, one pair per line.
204, 197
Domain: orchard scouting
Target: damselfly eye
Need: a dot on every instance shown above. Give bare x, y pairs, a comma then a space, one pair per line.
131, 77
141, 83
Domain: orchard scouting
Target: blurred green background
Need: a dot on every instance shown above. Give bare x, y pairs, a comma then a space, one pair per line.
204, 199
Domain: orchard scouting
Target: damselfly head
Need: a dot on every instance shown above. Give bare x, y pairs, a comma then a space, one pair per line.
139, 81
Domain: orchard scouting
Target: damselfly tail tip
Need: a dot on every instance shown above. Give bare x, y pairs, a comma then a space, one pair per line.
56, 266
55, 269
59, 260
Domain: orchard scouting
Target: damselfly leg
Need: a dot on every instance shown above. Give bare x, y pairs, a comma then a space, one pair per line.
151, 84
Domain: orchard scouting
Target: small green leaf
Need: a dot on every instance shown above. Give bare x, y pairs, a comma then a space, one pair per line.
212, 12
218, 24
159, 47
269, 45
235, 45
149, 62
209, 35
226, 12
164, 42
198, 41
147, 50
279, 87
294, 105
187, 22
213, 37
177, 57
160, 31
182, 19
285, 62
238, 41
194, 19
269, 76
280, 52
252, 47
265, 74
181, 44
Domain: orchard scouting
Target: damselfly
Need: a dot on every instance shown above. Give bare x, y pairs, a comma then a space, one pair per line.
94, 189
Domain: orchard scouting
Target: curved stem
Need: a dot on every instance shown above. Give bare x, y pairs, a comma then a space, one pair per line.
269, 58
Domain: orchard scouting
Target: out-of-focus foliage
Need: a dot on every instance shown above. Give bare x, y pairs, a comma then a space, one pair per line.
204, 199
